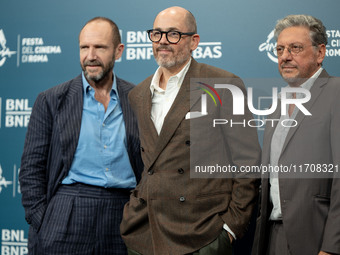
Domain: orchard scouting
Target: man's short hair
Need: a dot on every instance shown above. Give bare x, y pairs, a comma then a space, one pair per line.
317, 29
115, 31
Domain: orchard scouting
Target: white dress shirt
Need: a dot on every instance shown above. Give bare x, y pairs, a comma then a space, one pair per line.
162, 100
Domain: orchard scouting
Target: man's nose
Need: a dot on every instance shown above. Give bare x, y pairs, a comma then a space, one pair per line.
92, 54
286, 55
164, 40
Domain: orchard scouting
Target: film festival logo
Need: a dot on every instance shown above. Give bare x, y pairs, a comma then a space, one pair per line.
3, 182
239, 105
268, 46
5, 52
30, 50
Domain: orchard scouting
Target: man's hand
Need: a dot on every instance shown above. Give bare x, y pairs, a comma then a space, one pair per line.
231, 238
324, 253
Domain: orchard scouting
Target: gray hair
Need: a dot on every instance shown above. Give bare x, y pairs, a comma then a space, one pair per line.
317, 29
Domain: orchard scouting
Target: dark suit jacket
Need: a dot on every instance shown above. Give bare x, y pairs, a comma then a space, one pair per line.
52, 139
169, 212
310, 207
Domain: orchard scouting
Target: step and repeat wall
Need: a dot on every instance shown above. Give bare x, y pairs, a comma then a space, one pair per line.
39, 49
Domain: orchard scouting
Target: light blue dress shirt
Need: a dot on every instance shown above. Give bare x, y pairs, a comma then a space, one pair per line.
101, 157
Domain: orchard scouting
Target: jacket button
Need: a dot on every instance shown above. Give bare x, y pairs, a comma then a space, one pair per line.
142, 201
182, 199
150, 172
142, 149
187, 143
181, 171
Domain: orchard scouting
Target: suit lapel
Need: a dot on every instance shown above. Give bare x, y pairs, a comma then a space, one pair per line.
123, 92
175, 116
146, 100
315, 92
70, 108
268, 134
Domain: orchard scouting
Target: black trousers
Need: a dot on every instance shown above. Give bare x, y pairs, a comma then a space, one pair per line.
83, 219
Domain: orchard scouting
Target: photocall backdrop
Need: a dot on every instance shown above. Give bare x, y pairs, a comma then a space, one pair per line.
39, 49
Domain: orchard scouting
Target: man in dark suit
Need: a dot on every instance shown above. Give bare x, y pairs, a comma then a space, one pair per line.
299, 212
169, 212
81, 156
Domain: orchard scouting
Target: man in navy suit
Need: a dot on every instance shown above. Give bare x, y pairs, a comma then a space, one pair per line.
82, 155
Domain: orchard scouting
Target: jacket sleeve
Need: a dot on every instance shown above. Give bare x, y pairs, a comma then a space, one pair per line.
331, 236
245, 151
33, 170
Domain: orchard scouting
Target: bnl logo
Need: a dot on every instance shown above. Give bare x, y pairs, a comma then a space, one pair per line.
4, 50
13, 242
3, 181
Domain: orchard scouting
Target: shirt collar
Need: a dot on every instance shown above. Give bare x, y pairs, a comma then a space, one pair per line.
309, 83
179, 77
87, 86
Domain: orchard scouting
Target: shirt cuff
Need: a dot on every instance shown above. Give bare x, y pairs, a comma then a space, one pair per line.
225, 226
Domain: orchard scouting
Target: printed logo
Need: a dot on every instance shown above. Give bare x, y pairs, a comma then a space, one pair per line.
139, 47
239, 100
332, 48
268, 47
4, 50
18, 113
213, 90
29, 50
34, 50
203, 112
14, 183
13, 241
3, 181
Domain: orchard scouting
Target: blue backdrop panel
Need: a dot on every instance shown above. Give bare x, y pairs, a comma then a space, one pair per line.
39, 49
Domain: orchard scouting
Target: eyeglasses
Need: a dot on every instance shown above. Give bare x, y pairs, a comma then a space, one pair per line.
171, 36
292, 49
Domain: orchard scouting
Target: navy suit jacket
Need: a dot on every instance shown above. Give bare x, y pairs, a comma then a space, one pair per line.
52, 139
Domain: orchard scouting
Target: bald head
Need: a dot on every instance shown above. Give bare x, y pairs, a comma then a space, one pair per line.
116, 39
182, 15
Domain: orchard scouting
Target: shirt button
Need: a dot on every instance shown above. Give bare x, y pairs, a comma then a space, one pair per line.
187, 143
103, 124
105, 146
107, 169
181, 171
182, 199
